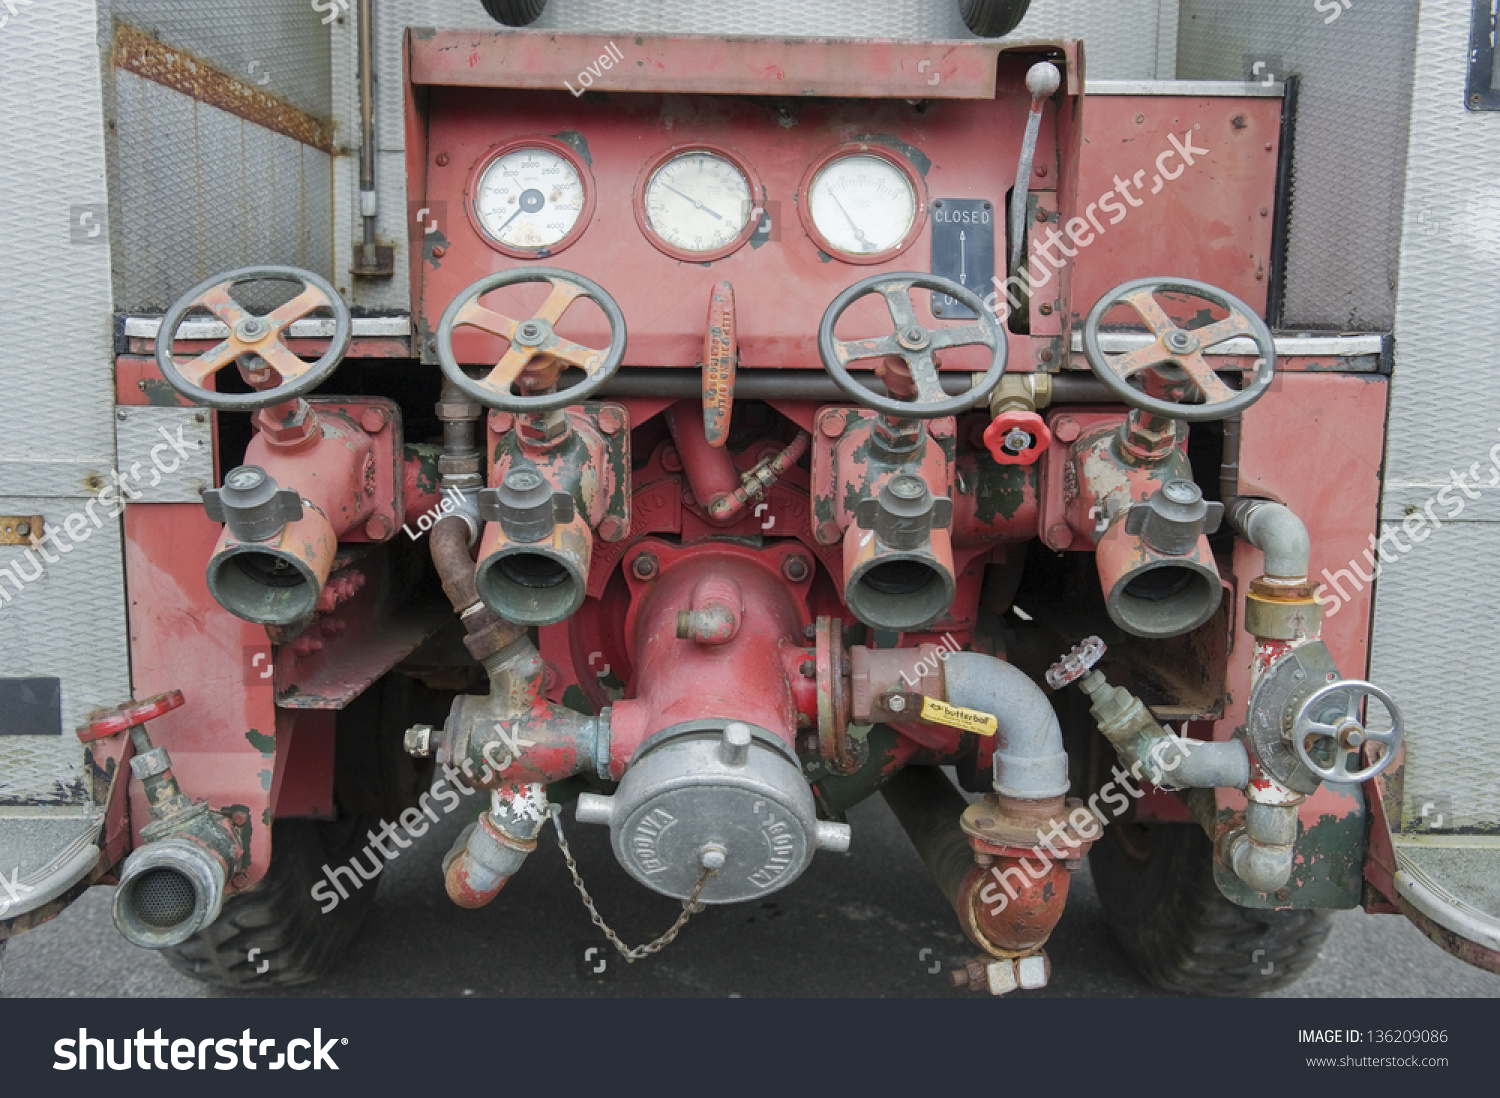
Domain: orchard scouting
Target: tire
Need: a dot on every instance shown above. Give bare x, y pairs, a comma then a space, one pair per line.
1156, 886
515, 13
279, 916
992, 18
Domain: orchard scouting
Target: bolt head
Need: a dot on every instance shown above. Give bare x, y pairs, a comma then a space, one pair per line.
896, 703
644, 566
713, 856
418, 740
378, 528
794, 569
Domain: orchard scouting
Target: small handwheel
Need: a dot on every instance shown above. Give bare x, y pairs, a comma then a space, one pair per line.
253, 339
1343, 735
914, 344
531, 339
1180, 347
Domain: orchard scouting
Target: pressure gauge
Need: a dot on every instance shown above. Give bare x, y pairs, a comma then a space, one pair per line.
531, 198
862, 203
697, 203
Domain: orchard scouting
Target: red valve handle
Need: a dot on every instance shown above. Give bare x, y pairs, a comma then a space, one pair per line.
111, 722
1006, 422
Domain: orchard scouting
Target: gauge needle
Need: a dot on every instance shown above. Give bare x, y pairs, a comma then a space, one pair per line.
508, 220
712, 213
861, 237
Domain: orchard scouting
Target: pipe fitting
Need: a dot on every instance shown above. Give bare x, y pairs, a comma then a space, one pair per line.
1277, 532
898, 557
537, 582
1262, 852
491, 850
1030, 760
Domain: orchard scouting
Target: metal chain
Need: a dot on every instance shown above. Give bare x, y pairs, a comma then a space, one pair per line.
690, 906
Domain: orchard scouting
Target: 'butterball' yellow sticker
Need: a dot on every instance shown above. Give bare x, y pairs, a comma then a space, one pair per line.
956, 716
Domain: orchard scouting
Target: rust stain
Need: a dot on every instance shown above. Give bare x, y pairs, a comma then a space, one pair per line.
137, 52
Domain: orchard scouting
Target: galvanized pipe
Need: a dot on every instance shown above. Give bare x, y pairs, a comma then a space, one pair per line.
804, 385
1278, 533
1030, 761
368, 198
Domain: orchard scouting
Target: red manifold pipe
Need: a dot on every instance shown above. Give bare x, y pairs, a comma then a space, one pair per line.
715, 634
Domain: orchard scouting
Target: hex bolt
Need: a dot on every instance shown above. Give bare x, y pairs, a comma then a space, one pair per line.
644, 566
418, 740
734, 744
895, 703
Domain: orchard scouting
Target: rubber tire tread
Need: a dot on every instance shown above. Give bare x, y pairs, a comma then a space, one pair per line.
1183, 935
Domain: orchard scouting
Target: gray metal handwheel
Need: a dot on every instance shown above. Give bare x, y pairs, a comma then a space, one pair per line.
914, 344
257, 341
1180, 348
531, 339
1343, 734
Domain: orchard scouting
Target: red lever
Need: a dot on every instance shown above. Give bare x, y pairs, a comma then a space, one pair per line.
1001, 436
111, 722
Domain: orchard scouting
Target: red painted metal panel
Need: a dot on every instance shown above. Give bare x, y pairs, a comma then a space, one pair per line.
1211, 223
866, 68
1315, 442
223, 740
963, 150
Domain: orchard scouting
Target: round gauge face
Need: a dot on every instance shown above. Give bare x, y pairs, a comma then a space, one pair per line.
529, 198
698, 202
862, 204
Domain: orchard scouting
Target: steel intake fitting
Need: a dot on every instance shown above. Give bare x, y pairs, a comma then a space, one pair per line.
491, 850
311, 478
1155, 565
730, 798
534, 553
514, 735
173, 886
898, 557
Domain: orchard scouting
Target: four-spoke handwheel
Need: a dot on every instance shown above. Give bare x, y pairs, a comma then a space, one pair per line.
257, 341
530, 340
914, 344
1181, 348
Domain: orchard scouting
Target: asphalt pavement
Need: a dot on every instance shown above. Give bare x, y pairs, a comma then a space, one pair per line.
867, 923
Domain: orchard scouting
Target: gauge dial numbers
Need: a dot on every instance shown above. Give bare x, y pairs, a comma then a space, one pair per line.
530, 198
697, 203
862, 203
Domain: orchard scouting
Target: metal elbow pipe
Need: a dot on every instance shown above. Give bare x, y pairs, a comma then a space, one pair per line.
1261, 852
490, 851
1277, 532
1207, 764
1030, 761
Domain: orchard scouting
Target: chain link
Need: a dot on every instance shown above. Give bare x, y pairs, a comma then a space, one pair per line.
690, 906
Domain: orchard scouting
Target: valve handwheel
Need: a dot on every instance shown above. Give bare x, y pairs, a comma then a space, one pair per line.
1344, 734
531, 339
256, 341
914, 344
1180, 347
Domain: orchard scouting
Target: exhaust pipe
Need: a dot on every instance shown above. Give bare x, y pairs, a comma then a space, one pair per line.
898, 557
169, 890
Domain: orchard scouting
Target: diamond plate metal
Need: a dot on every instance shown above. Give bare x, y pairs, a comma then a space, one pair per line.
280, 46
198, 191
154, 439
1134, 41
56, 434
1435, 609
1355, 102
